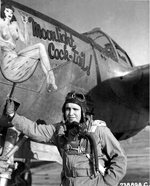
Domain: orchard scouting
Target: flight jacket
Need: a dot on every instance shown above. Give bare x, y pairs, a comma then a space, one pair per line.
110, 153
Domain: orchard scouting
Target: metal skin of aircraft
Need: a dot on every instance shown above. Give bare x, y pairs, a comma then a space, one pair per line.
92, 63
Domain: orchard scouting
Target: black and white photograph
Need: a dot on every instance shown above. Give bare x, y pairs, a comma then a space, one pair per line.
74, 99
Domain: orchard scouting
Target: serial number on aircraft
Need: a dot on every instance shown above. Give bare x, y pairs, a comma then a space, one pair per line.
135, 184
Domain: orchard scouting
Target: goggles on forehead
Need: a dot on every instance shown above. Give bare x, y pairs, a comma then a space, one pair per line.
78, 96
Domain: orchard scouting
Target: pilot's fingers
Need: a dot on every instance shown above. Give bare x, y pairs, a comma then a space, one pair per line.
10, 107
10, 103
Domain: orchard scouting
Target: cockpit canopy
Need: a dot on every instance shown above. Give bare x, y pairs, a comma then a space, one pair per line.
109, 47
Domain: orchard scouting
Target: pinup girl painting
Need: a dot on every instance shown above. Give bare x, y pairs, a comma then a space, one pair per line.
19, 66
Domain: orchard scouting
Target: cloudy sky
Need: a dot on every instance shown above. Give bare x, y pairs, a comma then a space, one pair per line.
126, 21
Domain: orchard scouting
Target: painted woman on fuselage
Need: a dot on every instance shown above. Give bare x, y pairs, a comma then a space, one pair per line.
18, 66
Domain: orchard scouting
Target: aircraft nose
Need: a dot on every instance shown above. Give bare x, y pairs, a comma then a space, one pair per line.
133, 88
141, 88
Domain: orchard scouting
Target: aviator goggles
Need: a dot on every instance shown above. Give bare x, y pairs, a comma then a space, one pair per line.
73, 95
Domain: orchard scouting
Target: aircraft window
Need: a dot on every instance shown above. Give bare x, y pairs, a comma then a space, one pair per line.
123, 58
103, 43
106, 45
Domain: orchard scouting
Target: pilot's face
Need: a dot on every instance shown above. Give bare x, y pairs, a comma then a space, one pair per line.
72, 112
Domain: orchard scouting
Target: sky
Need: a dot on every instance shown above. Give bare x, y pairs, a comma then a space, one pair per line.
126, 21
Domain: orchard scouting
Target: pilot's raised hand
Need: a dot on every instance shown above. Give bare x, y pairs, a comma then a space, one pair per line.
8, 114
10, 109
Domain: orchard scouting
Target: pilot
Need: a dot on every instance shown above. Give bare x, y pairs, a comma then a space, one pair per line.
91, 155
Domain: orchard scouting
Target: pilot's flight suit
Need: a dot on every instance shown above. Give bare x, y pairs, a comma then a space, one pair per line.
77, 170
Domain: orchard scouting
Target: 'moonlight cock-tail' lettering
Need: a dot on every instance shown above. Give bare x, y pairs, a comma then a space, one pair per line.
56, 35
